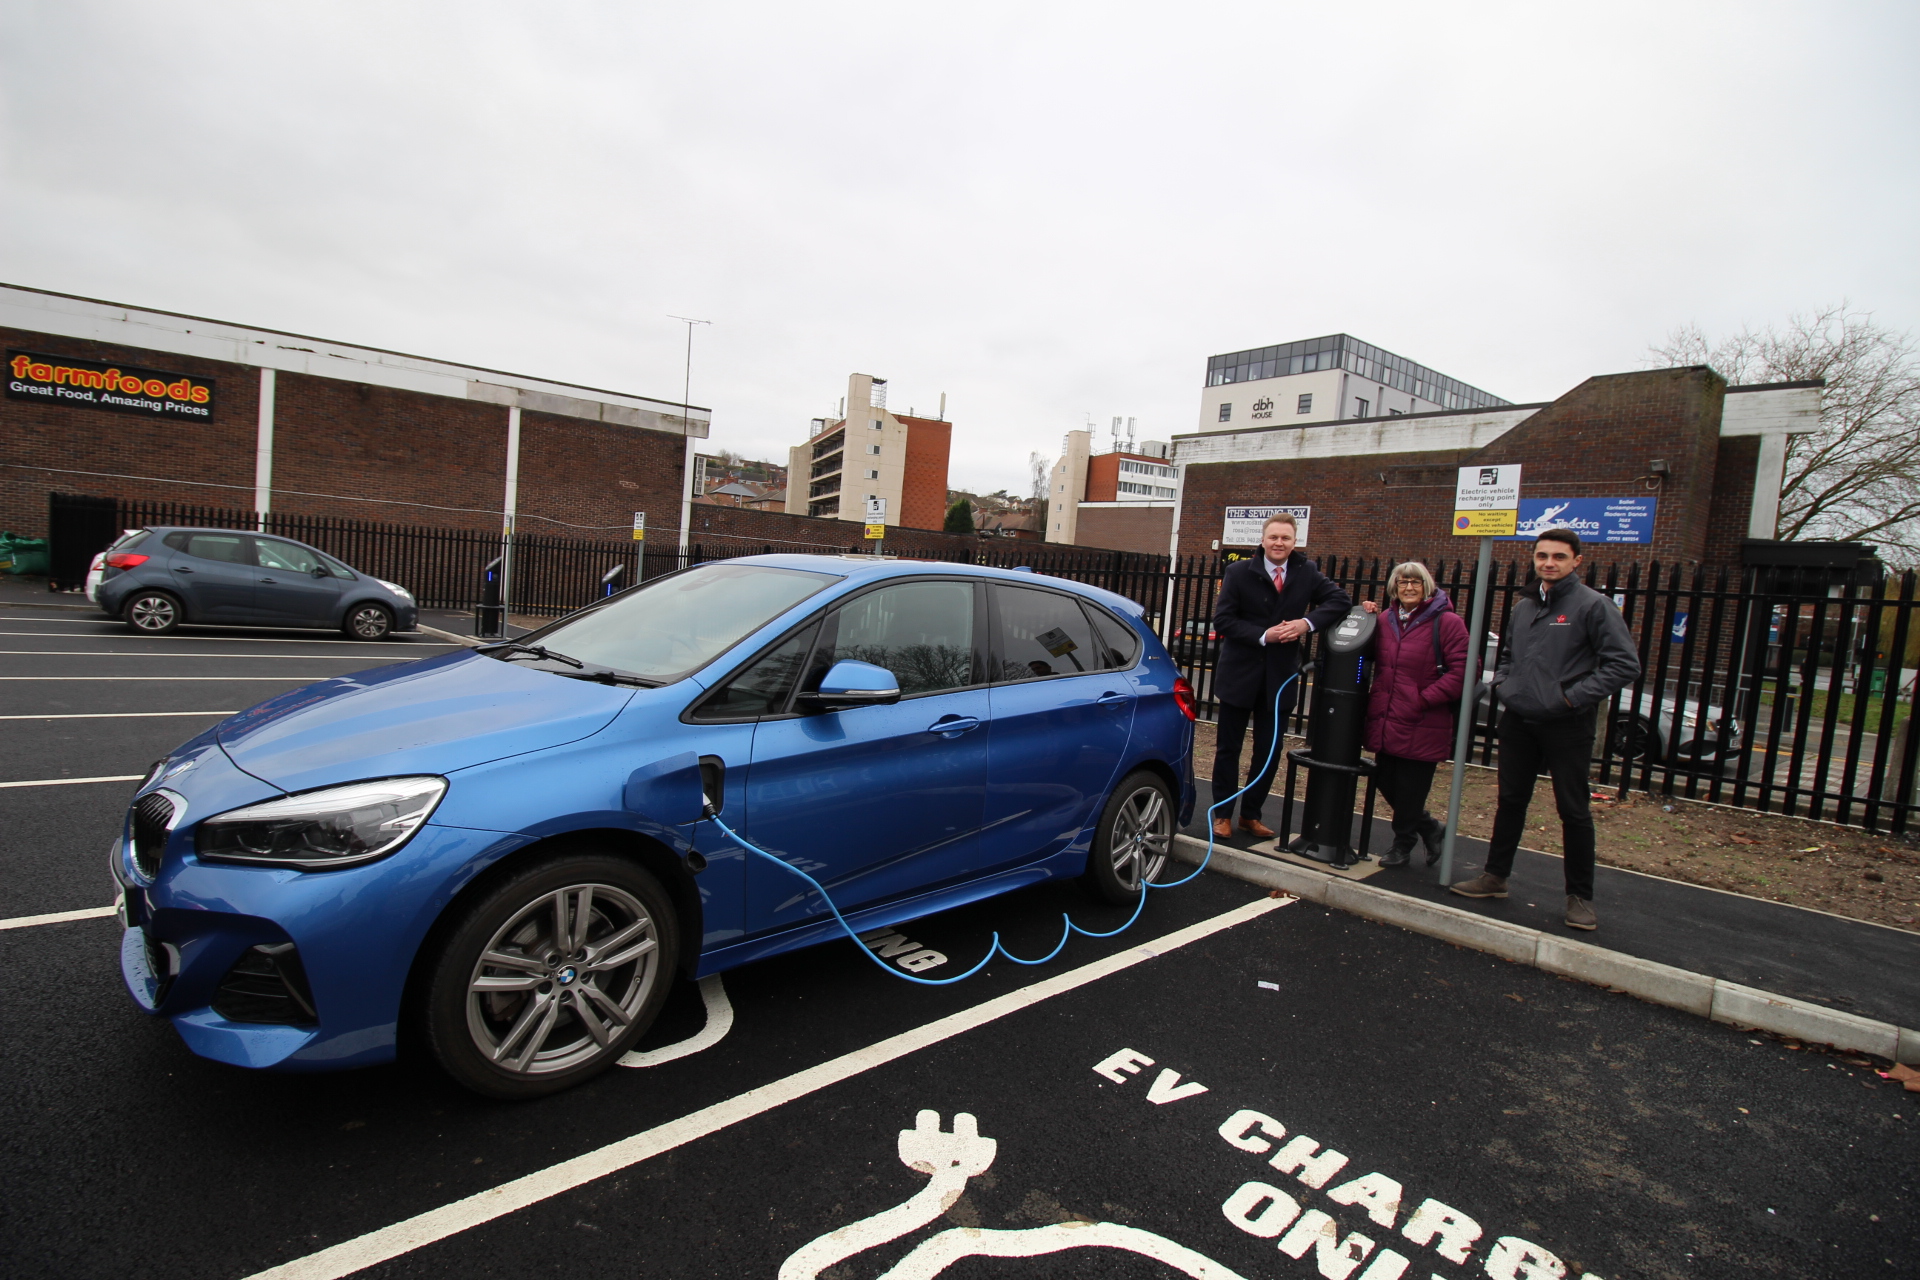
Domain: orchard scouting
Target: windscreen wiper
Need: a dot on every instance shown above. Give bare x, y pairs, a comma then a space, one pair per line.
534, 650
607, 675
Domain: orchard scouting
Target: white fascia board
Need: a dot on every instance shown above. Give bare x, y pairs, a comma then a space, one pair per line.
1361, 438
95, 321
1759, 411
1167, 503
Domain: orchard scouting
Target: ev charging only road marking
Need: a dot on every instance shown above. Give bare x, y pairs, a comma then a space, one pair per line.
713, 994
1263, 1210
403, 1237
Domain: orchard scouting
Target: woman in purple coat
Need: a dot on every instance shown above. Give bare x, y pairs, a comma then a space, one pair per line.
1420, 663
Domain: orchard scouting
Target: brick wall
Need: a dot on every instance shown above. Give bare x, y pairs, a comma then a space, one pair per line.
1143, 529
205, 455
340, 449
923, 487
595, 475
399, 447
714, 527
1595, 441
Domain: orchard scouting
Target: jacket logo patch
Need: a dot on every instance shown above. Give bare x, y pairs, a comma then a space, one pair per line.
1560, 621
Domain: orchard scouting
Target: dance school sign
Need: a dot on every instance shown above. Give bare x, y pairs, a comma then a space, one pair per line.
88, 384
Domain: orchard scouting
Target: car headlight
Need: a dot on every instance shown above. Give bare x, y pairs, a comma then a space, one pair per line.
335, 827
396, 588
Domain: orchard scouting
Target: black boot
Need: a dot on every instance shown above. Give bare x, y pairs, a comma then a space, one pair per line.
1431, 835
1397, 855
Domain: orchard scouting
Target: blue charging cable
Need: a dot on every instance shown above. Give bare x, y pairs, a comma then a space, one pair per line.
1069, 929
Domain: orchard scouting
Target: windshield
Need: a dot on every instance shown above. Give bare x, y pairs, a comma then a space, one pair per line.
670, 628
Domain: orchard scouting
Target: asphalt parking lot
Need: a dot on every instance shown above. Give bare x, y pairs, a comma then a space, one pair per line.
1134, 1100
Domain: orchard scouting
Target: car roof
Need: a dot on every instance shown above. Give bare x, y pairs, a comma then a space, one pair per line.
859, 568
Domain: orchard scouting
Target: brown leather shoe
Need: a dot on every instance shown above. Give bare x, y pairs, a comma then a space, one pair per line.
1580, 914
1223, 828
1257, 829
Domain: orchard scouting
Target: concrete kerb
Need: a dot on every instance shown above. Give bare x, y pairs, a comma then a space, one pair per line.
1695, 993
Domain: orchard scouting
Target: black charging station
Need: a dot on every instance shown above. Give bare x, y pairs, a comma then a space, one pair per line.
1331, 758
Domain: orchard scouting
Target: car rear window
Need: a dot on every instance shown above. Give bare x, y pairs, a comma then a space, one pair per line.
673, 626
1120, 642
230, 547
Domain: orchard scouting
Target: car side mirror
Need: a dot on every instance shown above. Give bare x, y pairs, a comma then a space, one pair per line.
853, 684
319, 571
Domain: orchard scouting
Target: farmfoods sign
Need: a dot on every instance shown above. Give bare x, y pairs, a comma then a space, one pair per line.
86, 384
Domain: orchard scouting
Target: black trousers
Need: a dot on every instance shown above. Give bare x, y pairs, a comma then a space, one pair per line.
1232, 730
1559, 749
1404, 784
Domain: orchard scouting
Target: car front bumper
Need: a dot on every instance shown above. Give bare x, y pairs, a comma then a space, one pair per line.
354, 933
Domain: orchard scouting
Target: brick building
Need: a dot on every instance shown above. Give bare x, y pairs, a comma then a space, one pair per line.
869, 452
308, 426
1709, 456
1121, 498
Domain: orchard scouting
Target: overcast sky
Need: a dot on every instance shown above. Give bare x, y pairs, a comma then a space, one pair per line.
1044, 210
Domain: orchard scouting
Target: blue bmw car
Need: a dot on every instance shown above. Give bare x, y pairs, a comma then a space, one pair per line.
504, 855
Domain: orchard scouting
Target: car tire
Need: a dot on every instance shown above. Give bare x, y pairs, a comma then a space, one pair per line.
1134, 840
368, 621
504, 1001
153, 613
1633, 739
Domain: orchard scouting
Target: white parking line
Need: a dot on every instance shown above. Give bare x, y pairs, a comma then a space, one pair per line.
437, 1224
74, 782
116, 715
129, 653
57, 917
121, 633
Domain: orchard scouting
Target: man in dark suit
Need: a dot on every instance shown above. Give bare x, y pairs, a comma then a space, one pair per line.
1265, 606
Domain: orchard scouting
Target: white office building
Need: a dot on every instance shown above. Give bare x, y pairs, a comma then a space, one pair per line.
1331, 379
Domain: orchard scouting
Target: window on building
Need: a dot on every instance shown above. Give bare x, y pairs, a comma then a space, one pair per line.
877, 424
1366, 407
875, 475
1226, 412
874, 449
1306, 403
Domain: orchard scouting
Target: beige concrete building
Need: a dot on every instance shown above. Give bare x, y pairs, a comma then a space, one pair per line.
869, 452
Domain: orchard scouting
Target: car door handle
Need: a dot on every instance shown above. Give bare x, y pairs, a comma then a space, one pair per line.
1112, 700
271, 581
953, 726
180, 568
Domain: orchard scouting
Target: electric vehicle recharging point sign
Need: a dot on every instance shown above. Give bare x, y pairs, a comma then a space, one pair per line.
1486, 501
876, 519
639, 526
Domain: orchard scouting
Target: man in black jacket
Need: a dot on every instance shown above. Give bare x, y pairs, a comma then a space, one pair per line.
1569, 651
1265, 606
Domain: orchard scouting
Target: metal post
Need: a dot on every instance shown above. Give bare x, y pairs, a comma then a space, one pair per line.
1469, 702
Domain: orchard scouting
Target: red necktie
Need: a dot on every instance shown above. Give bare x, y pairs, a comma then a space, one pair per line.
1280, 577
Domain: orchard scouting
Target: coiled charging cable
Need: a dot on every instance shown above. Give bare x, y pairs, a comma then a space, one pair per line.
1069, 929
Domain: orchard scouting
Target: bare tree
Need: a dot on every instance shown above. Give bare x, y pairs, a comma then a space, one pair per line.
1041, 468
1858, 476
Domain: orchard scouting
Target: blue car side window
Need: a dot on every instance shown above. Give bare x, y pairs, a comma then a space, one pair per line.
763, 687
920, 631
1041, 634
1119, 643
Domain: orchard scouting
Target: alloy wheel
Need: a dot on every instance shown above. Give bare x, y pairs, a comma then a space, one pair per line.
1142, 834
562, 979
370, 622
152, 613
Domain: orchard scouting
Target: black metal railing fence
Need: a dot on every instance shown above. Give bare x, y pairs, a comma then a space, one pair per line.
1754, 694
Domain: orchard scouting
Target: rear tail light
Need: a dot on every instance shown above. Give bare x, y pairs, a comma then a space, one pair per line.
126, 560
1183, 698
